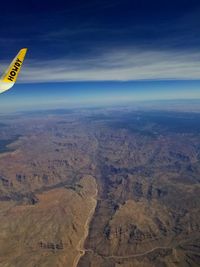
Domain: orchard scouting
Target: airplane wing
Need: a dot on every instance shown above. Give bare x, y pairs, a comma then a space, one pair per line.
10, 76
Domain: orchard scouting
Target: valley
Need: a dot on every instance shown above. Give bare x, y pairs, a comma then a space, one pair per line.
100, 188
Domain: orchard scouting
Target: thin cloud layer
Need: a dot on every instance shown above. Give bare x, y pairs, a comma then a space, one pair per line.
116, 66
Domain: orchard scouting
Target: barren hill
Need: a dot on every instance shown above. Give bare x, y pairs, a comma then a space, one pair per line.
146, 166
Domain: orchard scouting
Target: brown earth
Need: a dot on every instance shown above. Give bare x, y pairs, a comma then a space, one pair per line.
48, 232
146, 166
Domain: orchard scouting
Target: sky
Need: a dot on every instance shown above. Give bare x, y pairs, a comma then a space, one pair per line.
101, 52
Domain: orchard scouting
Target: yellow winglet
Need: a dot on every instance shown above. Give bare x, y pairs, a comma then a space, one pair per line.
10, 76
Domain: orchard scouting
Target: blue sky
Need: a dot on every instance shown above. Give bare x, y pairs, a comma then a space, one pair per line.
95, 52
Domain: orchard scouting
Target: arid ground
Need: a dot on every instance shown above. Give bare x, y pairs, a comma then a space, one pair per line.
100, 188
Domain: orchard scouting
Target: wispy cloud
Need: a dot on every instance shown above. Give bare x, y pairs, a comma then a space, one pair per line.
121, 65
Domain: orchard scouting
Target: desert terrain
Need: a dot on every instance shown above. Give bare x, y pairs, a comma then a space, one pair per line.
100, 188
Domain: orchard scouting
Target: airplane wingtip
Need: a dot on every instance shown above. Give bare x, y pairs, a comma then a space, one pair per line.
23, 50
10, 75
